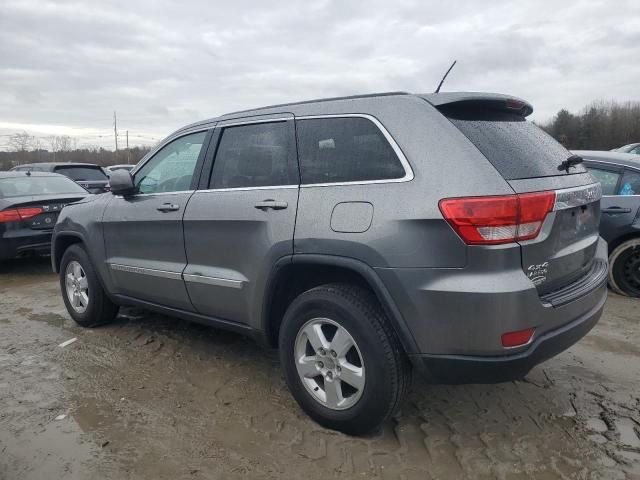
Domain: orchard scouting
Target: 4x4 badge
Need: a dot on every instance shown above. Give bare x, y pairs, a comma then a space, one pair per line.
537, 273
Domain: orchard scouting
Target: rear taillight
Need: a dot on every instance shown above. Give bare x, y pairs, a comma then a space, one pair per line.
18, 214
495, 220
517, 339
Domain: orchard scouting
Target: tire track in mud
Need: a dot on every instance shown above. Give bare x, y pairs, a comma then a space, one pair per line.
154, 397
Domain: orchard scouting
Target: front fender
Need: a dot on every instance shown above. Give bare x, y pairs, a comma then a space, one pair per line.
82, 223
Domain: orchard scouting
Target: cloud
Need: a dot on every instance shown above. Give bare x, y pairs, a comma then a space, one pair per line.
162, 64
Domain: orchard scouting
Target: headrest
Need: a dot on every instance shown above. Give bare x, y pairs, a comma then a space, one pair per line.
259, 161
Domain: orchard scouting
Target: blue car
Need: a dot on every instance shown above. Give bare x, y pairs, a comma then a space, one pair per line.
619, 174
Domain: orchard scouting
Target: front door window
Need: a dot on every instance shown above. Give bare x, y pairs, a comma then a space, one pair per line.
172, 168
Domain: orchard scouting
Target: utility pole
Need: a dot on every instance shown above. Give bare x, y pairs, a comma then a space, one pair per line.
128, 147
115, 130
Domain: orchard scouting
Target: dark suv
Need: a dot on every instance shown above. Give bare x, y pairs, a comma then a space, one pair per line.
360, 235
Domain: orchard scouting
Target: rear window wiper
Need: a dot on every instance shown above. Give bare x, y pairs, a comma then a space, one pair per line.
572, 161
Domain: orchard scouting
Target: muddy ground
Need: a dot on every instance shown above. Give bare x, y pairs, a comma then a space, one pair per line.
150, 397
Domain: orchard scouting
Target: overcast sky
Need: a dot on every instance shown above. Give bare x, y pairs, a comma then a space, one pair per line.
66, 66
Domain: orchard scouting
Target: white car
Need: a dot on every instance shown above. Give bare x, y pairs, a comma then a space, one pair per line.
112, 168
631, 148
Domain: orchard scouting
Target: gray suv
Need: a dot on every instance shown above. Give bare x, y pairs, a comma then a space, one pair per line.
359, 235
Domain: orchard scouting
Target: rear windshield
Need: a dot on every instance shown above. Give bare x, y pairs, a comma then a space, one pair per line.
515, 147
24, 186
82, 173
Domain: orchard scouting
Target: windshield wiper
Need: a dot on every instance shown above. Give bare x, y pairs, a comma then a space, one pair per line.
572, 161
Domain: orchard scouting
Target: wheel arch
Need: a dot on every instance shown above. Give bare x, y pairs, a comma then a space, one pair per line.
615, 243
59, 245
296, 274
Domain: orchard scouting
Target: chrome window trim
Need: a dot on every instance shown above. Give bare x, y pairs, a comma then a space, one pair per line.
146, 271
408, 171
220, 282
216, 281
240, 189
175, 192
577, 196
234, 123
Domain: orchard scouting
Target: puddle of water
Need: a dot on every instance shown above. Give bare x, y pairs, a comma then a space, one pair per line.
55, 451
597, 438
597, 425
52, 319
628, 436
631, 456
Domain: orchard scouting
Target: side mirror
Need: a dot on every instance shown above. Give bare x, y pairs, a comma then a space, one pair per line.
121, 183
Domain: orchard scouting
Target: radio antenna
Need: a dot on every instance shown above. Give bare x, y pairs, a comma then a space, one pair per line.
445, 76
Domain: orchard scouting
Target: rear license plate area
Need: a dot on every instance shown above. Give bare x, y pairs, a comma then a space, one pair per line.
44, 221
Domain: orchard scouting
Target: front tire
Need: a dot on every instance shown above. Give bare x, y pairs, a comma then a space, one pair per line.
624, 268
83, 295
342, 360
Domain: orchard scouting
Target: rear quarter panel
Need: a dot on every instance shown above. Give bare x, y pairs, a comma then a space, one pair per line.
407, 228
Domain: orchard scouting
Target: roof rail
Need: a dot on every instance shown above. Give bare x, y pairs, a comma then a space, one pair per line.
330, 99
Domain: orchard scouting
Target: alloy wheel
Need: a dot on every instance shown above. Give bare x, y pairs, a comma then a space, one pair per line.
329, 363
77, 286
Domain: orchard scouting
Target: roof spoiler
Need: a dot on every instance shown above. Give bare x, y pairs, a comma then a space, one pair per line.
483, 101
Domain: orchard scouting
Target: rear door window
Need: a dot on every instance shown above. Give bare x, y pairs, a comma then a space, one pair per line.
255, 155
515, 147
607, 178
344, 149
82, 173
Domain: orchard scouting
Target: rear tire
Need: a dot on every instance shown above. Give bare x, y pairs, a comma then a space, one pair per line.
368, 376
624, 268
83, 295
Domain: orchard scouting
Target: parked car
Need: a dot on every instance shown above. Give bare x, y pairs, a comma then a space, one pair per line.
112, 168
631, 148
359, 235
29, 206
619, 174
91, 177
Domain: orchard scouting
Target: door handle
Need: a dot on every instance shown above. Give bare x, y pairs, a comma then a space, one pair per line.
271, 204
168, 207
613, 210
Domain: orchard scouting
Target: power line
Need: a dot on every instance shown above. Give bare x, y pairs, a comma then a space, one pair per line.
115, 129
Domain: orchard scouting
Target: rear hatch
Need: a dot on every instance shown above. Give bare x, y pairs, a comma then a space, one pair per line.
37, 213
532, 161
91, 177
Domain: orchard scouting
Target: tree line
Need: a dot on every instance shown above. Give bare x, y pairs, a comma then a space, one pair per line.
25, 148
602, 125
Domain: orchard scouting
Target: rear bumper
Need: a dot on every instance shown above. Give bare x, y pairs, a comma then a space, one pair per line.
457, 316
493, 369
31, 241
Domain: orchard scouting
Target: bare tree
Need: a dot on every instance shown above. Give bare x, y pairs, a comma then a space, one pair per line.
21, 143
53, 143
60, 144
65, 143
